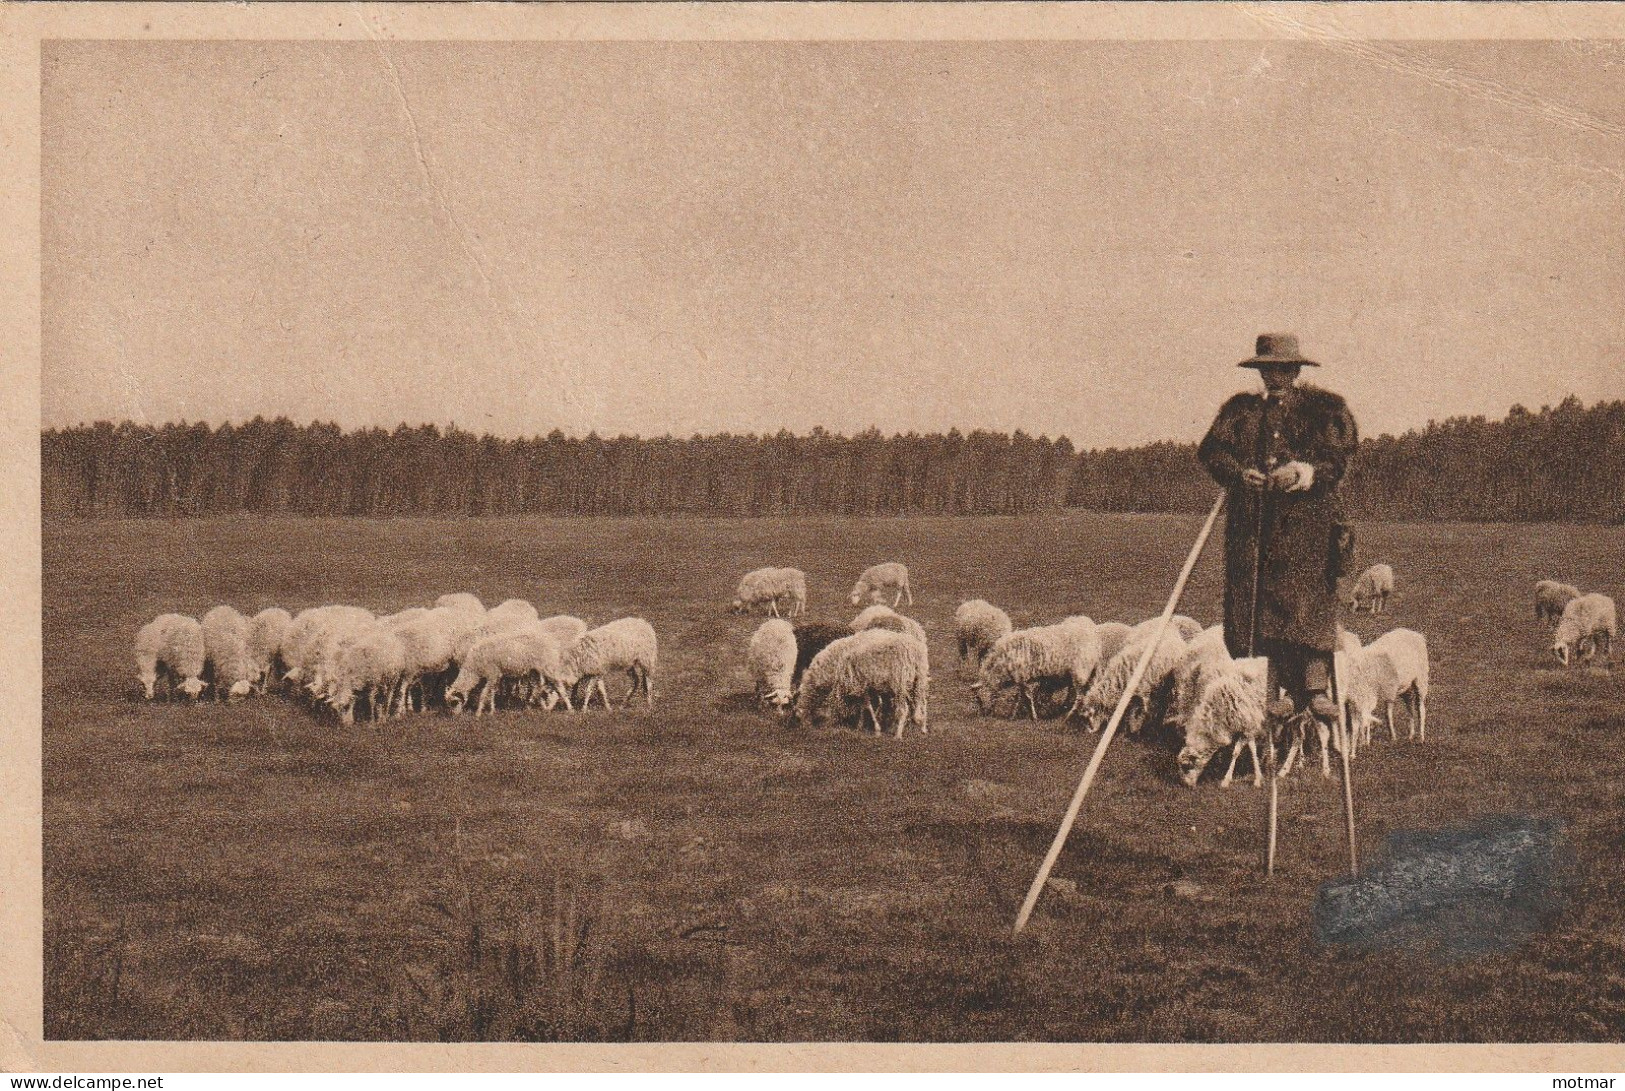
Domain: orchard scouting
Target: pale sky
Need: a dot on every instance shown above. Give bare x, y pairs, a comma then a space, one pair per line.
1074, 239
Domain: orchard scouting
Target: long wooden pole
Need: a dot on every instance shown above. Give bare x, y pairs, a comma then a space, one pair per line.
1117, 715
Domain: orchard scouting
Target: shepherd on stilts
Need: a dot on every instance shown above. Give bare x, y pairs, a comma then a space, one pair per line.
1280, 455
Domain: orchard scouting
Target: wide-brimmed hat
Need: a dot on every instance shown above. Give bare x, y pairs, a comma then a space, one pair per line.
1277, 348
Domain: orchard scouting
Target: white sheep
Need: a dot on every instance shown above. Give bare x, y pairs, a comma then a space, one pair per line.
1588, 625
323, 654
1372, 589
878, 579
1112, 680
1347, 641
461, 600
489, 624
172, 644
514, 654
1550, 599
306, 629
777, 588
1188, 628
370, 660
1392, 668
891, 670
1066, 653
978, 625
1204, 656
813, 702
225, 649
627, 644
884, 617
401, 617
1228, 712
518, 611
428, 643
267, 630
771, 659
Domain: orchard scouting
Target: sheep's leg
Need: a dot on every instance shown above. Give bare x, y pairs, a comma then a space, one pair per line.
773, 607
1235, 752
1393, 735
902, 716
896, 599
1258, 768
909, 591
1325, 734
1032, 702
563, 694
603, 692
1421, 716
1291, 757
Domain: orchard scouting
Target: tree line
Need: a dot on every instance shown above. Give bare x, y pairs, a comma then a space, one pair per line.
1564, 464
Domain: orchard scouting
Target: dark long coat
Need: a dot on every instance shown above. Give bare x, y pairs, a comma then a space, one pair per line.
1298, 581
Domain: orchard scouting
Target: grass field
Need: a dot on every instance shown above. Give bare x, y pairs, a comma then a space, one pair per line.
700, 872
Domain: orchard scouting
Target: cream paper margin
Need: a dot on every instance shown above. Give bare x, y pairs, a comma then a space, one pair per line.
23, 27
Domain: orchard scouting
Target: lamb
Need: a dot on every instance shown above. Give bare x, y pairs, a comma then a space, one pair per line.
267, 630
1067, 652
513, 654
880, 578
777, 588
370, 660
1372, 589
627, 644
978, 625
1204, 657
771, 659
813, 637
225, 649
1587, 625
1229, 712
172, 643
1392, 668
1550, 599
891, 669
462, 600
884, 617
1112, 679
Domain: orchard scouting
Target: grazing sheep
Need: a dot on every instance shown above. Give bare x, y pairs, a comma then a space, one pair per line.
225, 649
889, 671
266, 632
1067, 653
627, 644
884, 617
813, 637
462, 600
1550, 599
428, 645
324, 650
1113, 635
514, 654
1392, 668
411, 613
1188, 628
855, 671
514, 611
1587, 625
490, 624
1204, 656
1228, 712
1112, 680
306, 629
1372, 589
370, 661
780, 589
771, 659
978, 625
878, 579
172, 643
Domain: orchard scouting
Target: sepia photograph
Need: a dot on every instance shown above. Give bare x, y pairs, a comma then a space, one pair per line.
829, 537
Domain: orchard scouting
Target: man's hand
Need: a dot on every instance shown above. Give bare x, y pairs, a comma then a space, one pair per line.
1293, 477
1253, 479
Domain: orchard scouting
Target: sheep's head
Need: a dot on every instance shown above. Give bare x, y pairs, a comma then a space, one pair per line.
738, 607
148, 685
239, 689
193, 687
778, 700
1561, 650
983, 694
918, 715
1191, 763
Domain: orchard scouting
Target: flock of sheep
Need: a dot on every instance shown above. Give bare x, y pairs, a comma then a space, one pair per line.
345, 656
1585, 623
872, 671
875, 670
